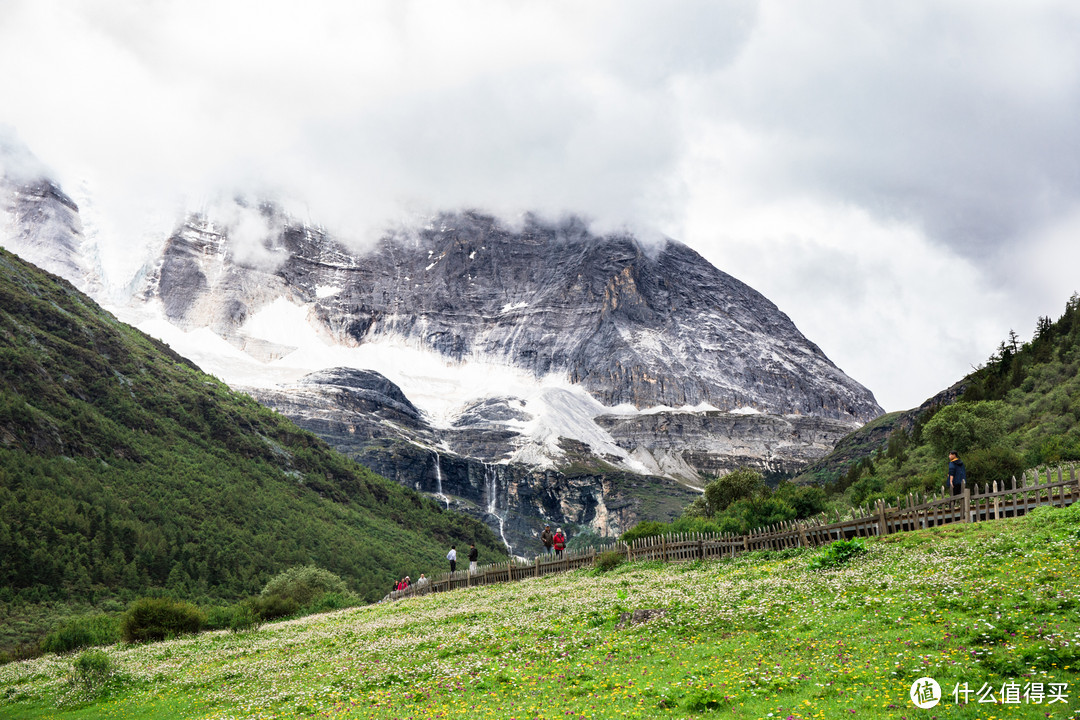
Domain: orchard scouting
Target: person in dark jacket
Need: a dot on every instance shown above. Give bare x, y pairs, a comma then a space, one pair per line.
547, 538
957, 473
474, 555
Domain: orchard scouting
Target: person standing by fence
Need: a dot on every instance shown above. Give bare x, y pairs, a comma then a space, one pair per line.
957, 473
452, 557
547, 538
559, 542
474, 555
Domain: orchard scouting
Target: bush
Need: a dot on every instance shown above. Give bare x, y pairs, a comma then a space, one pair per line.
838, 553
303, 584
160, 618
271, 607
997, 464
236, 618
92, 670
331, 601
609, 560
966, 425
82, 632
649, 528
740, 484
244, 618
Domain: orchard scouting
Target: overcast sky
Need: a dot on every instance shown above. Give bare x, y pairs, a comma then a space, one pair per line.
901, 178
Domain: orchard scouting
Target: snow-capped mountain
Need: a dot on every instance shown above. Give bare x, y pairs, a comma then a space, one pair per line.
508, 370
536, 331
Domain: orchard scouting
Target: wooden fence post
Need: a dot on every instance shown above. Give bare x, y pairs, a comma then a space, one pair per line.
1072, 478
965, 501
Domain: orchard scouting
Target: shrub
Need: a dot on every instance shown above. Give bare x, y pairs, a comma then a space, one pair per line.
236, 618
996, 464
838, 553
330, 601
966, 425
649, 528
82, 632
302, 584
92, 670
740, 484
160, 618
244, 618
609, 560
270, 607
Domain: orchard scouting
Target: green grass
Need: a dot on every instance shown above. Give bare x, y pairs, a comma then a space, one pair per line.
759, 636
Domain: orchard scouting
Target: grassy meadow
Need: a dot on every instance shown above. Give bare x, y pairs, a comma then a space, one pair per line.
990, 605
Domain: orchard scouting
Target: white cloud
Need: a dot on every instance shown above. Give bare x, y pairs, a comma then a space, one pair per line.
863, 152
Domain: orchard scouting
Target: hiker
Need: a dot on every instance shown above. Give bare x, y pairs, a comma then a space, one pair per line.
422, 583
546, 537
474, 554
957, 473
452, 557
559, 542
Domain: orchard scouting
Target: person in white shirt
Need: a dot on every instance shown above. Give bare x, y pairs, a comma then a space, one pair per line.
452, 557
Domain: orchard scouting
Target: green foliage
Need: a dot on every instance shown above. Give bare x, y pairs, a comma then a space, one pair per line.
236, 618
125, 471
303, 584
648, 528
963, 426
999, 464
92, 671
740, 484
748, 503
160, 618
271, 607
838, 553
609, 560
82, 632
748, 514
704, 700
585, 539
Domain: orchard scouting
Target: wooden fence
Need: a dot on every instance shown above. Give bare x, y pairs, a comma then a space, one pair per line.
974, 504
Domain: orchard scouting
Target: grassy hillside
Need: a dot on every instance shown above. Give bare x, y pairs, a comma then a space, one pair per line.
759, 636
124, 470
1019, 410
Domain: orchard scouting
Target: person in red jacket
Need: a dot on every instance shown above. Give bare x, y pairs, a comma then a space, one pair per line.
559, 542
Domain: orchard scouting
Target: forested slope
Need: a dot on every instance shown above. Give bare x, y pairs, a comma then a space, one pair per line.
124, 470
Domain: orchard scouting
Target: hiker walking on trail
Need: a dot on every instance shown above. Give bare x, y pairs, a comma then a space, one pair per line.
547, 537
559, 542
452, 557
474, 555
957, 473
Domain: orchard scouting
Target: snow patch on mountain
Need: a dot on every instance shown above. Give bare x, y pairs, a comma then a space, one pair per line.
440, 388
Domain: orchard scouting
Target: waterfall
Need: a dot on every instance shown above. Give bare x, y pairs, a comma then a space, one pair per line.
438, 481
490, 476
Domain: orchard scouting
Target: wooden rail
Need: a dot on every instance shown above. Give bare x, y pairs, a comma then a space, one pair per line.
976, 504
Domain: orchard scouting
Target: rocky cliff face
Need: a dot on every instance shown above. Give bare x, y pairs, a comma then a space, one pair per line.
42, 225
367, 417
627, 327
526, 375
645, 326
